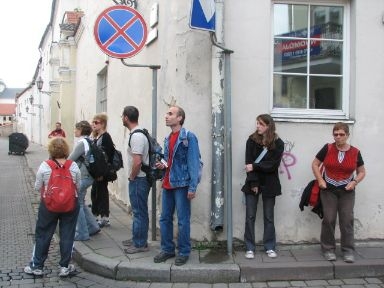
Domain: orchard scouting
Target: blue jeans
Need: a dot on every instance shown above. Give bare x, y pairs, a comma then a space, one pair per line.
171, 199
86, 222
138, 196
269, 238
45, 227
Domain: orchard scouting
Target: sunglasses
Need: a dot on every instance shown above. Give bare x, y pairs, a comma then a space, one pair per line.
339, 134
96, 122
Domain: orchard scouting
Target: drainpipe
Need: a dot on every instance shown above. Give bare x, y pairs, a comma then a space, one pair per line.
217, 197
221, 107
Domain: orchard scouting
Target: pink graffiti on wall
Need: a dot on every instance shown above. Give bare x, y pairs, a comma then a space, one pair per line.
288, 160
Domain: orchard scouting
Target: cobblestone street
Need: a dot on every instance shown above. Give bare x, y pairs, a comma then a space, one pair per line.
18, 207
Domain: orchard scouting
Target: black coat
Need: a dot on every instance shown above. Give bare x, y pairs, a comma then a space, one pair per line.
306, 195
265, 174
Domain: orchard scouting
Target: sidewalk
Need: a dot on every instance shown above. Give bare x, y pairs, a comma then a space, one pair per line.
103, 255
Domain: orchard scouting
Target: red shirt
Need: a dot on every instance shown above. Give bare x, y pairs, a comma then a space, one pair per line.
172, 141
339, 169
57, 133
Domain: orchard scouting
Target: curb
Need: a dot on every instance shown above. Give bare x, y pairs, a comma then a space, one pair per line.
162, 272
225, 273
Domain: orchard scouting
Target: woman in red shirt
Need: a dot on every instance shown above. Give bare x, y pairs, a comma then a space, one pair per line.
343, 170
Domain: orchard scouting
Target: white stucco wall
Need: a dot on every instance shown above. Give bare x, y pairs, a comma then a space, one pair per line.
185, 77
250, 38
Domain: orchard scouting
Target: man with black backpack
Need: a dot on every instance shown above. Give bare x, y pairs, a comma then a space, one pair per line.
138, 156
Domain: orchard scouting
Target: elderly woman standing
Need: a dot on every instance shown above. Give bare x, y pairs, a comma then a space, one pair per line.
86, 222
47, 220
264, 150
340, 161
99, 192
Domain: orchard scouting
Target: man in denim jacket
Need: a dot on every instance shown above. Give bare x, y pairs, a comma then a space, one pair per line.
182, 155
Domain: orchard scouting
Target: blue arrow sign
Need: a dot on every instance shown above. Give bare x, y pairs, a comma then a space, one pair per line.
203, 15
120, 31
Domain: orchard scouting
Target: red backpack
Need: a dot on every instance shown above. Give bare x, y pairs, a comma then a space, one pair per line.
60, 195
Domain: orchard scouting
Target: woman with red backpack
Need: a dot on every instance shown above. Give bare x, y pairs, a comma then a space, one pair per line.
58, 204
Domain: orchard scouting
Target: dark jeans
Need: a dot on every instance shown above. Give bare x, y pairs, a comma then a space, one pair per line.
341, 202
269, 238
138, 196
45, 227
100, 198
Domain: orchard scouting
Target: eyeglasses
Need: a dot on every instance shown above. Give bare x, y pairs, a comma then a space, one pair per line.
96, 122
339, 134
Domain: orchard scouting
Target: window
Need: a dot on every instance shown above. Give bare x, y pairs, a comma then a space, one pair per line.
309, 61
102, 84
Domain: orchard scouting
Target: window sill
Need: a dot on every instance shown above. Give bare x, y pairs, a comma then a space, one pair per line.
292, 119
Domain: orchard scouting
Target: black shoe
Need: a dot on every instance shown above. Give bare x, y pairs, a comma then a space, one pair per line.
181, 260
162, 257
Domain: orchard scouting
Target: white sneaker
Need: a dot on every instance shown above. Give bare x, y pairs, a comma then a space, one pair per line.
64, 271
249, 254
271, 254
33, 271
104, 222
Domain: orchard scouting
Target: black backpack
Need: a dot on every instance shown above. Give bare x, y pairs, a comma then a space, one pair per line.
96, 160
154, 153
117, 160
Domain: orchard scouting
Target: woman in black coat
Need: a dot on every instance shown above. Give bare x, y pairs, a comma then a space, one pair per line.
99, 192
264, 150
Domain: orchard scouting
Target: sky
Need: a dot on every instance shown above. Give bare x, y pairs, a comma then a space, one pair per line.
22, 25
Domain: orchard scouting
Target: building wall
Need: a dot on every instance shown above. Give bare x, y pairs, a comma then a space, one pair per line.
250, 36
185, 79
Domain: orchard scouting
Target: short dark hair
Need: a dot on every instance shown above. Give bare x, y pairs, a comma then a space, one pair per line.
84, 127
341, 126
132, 113
180, 112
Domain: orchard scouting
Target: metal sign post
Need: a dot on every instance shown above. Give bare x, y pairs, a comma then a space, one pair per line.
154, 69
121, 32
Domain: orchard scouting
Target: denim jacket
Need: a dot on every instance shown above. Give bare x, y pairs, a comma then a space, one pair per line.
185, 162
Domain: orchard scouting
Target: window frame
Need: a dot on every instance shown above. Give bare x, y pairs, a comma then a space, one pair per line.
102, 91
312, 113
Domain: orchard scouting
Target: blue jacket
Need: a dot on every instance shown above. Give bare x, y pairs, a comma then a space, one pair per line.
185, 164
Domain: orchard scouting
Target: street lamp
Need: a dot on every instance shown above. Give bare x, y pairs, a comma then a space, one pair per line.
40, 83
27, 110
31, 99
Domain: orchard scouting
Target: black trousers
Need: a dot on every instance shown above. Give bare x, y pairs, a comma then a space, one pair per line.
100, 198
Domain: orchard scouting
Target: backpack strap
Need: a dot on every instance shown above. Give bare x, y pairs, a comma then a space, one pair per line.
261, 155
53, 163
136, 131
145, 168
86, 145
